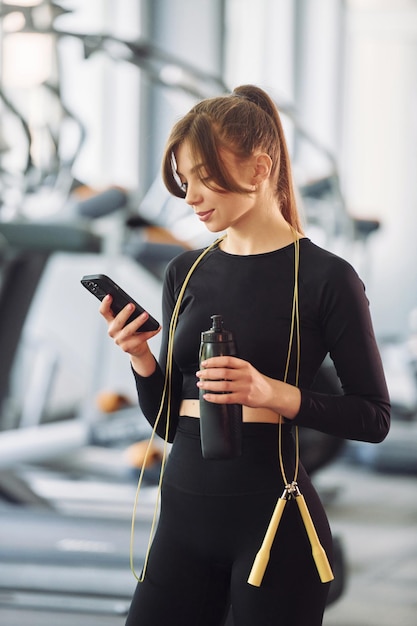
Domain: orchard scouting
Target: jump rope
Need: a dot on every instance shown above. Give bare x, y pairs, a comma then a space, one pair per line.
291, 490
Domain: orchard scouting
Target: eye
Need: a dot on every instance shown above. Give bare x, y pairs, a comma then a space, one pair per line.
183, 186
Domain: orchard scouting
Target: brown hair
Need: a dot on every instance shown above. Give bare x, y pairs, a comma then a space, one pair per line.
244, 121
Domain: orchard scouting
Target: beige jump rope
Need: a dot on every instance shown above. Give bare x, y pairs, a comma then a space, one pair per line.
291, 489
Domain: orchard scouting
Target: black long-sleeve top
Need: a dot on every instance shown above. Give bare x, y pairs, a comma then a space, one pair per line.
254, 295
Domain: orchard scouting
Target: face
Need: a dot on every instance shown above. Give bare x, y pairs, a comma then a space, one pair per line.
218, 209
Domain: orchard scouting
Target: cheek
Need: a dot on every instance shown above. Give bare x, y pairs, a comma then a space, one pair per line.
241, 206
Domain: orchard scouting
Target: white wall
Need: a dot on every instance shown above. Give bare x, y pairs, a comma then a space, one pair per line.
350, 68
379, 154
104, 92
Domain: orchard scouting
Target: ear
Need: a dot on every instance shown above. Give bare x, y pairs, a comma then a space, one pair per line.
263, 166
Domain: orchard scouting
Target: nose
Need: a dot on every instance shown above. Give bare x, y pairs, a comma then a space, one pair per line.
193, 195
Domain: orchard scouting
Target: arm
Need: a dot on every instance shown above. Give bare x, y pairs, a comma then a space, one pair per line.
362, 412
149, 375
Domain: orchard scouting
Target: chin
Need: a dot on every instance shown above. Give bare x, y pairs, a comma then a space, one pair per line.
215, 229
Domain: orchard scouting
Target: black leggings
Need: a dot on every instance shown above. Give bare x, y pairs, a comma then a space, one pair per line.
213, 518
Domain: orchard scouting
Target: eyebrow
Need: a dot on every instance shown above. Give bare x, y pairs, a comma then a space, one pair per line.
193, 170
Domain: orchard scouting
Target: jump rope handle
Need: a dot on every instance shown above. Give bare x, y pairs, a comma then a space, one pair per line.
319, 555
261, 560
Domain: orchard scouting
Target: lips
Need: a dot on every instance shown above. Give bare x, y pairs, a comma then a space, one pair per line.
203, 216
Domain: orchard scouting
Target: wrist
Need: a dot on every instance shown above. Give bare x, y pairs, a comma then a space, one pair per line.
144, 364
286, 399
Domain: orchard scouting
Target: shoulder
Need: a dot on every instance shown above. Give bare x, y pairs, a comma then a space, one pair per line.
179, 267
323, 264
329, 279
182, 262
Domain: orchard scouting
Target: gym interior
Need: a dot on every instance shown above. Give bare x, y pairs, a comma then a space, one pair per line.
88, 94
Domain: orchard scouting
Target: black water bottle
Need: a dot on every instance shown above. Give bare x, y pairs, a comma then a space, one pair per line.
220, 424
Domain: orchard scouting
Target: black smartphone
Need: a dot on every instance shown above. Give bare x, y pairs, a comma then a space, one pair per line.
100, 285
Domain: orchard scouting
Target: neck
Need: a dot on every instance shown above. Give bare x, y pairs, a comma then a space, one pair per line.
259, 239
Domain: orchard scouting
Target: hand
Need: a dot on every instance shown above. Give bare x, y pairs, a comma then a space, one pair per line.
242, 382
127, 336
245, 385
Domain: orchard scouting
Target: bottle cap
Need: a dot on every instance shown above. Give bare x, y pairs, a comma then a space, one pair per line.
216, 333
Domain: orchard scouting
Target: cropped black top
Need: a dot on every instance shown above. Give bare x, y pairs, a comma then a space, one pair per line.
254, 296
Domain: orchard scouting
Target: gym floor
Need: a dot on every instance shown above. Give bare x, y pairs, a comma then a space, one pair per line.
374, 514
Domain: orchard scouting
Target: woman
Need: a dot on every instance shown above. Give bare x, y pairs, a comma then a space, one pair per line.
228, 158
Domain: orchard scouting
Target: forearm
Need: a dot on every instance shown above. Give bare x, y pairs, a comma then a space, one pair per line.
283, 398
359, 417
347, 416
144, 365
150, 394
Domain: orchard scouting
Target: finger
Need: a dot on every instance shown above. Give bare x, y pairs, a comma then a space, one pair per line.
117, 326
122, 317
119, 321
121, 331
134, 327
216, 386
221, 398
107, 312
217, 373
105, 308
131, 341
231, 362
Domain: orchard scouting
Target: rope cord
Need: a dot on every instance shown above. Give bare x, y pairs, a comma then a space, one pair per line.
167, 390
166, 395
295, 326
291, 490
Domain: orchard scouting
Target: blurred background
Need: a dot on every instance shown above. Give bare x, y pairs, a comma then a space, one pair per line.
88, 94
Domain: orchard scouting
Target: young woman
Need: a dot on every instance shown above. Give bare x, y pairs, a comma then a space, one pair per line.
288, 303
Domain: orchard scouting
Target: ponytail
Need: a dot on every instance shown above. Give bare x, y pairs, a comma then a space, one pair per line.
283, 170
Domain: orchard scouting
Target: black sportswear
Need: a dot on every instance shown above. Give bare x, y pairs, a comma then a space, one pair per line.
254, 295
214, 514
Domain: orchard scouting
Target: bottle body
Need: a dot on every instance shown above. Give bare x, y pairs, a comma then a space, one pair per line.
220, 424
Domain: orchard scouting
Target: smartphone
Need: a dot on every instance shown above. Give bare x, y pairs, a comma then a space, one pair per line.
100, 285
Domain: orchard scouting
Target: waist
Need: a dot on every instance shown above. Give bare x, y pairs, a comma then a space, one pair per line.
191, 408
